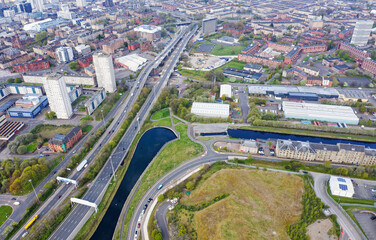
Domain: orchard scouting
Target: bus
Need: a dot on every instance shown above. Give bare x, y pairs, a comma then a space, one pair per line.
31, 222
81, 165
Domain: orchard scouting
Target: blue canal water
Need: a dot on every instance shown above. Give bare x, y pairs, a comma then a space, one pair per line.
250, 134
148, 146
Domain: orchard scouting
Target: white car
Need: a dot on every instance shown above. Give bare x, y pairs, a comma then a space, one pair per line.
373, 190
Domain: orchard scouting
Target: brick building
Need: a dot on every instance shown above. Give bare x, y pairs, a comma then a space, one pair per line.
279, 47
133, 46
146, 46
111, 46
249, 58
39, 64
251, 49
369, 65
168, 6
314, 48
354, 51
62, 143
292, 56
230, 28
346, 33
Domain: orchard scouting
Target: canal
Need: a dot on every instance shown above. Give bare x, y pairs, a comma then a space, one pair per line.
148, 146
250, 134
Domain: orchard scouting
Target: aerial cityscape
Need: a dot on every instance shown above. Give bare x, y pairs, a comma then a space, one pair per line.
190, 119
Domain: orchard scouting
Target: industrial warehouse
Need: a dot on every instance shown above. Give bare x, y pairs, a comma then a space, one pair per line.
214, 110
285, 91
319, 112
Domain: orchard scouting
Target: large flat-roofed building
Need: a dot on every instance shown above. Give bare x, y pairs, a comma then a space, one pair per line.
283, 91
8, 128
57, 94
319, 112
95, 101
213, 110
29, 106
340, 186
133, 62
104, 69
209, 25
149, 32
362, 32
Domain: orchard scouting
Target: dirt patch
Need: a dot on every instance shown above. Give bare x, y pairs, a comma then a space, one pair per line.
228, 146
261, 205
319, 230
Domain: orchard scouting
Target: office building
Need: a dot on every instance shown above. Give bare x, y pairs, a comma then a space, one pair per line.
57, 94
25, 7
64, 54
105, 73
37, 5
108, 3
212, 110
362, 32
81, 3
65, 13
149, 32
209, 25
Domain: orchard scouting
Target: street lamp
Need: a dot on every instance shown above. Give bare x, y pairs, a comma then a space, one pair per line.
34, 190
112, 166
104, 121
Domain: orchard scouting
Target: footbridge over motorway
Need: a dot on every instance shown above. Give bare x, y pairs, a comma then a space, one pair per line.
80, 214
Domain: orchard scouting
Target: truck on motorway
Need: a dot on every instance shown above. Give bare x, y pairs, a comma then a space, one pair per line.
81, 165
31, 222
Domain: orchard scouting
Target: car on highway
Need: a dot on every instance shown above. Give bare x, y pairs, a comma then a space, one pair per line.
140, 218
160, 187
149, 200
54, 172
373, 217
145, 207
136, 234
138, 225
14, 198
58, 197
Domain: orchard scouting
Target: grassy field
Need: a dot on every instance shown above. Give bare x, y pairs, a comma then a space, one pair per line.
32, 147
310, 133
50, 132
161, 114
234, 64
79, 99
195, 74
5, 212
261, 210
175, 120
171, 156
163, 122
223, 50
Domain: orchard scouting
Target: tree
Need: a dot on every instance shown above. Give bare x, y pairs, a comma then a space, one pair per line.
362, 109
239, 25
223, 97
161, 198
219, 75
74, 66
190, 185
17, 80
50, 115
208, 75
10, 80
327, 164
41, 38
22, 149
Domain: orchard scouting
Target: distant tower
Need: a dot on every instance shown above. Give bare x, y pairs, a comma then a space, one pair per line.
81, 3
108, 3
104, 69
37, 5
362, 32
58, 98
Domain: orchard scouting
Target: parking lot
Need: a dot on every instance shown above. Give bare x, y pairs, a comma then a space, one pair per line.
368, 225
363, 191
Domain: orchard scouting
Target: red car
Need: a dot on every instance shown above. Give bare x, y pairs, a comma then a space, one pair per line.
59, 196
138, 225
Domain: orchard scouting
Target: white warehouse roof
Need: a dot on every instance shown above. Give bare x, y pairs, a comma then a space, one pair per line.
214, 110
133, 62
319, 112
147, 29
226, 90
340, 186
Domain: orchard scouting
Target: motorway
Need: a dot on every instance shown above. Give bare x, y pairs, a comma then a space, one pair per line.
78, 216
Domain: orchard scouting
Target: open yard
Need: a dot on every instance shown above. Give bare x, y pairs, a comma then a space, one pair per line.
260, 205
5, 212
161, 114
223, 50
49, 131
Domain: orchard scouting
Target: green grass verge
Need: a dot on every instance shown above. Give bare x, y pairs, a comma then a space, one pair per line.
310, 133
195, 74
161, 114
163, 122
32, 147
163, 163
175, 120
5, 212
87, 128
234, 64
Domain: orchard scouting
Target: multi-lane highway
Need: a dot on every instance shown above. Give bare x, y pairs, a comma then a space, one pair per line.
81, 213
